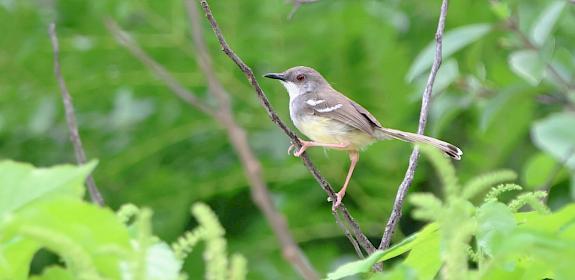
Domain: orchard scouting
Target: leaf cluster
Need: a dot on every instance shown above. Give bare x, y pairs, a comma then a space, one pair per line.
42, 208
493, 240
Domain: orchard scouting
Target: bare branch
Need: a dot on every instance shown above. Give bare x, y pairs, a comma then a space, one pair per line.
402, 191
223, 115
360, 237
252, 166
71, 117
158, 69
348, 235
297, 4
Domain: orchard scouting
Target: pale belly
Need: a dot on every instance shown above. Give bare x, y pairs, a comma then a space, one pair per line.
327, 131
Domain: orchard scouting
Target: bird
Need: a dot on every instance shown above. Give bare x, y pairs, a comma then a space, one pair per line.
332, 120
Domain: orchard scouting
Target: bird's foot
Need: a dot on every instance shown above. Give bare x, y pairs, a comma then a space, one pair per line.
291, 147
337, 202
304, 146
297, 152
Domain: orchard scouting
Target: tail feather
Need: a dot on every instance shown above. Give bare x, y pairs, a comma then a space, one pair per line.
449, 149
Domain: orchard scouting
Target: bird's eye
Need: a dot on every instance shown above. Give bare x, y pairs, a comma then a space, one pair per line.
300, 77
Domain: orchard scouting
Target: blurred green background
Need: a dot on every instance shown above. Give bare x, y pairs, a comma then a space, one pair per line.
506, 103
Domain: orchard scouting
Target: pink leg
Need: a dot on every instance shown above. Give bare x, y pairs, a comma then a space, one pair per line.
354, 157
307, 144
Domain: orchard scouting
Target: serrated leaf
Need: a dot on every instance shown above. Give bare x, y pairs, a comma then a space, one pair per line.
453, 41
546, 21
528, 65
22, 183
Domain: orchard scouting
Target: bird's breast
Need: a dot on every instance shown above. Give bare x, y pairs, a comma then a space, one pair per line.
329, 131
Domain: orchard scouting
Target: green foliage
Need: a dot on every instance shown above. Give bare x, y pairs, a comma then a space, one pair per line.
502, 243
156, 151
551, 136
94, 243
453, 41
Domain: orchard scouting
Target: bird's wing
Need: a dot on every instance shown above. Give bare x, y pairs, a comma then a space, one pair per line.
334, 105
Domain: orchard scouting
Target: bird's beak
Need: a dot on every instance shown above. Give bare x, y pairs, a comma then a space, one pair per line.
277, 76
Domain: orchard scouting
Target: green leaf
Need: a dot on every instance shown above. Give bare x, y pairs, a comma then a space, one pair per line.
546, 21
424, 259
538, 170
539, 255
398, 272
15, 258
22, 183
90, 239
501, 9
453, 41
356, 267
528, 65
497, 105
161, 262
553, 223
556, 136
495, 219
54, 273
427, 233
447, 74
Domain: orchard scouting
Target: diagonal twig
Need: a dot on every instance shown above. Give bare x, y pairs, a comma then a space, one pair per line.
71, 117
224, 116
297, 4
238, 138
358, 234
158, 69
402, 191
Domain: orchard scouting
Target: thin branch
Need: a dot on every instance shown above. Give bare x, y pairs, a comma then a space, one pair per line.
252, 166
223, 115
348, 235
360, 237
71, 117
158, 69
403, 188
297, 4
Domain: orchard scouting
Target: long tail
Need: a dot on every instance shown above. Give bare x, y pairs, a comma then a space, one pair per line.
450, 150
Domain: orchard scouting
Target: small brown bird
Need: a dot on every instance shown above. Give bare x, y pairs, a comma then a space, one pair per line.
332, 120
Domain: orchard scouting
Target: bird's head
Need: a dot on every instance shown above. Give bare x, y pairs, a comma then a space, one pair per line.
299, 80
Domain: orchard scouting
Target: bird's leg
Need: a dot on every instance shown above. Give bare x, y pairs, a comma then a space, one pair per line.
354, 158
307, 144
